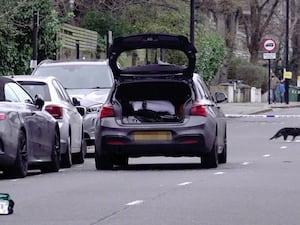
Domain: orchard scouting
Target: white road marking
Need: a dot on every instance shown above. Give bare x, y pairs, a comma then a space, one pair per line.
184, 183
219, 173
283, 147
266, 155
137, 202
263, 116
245, 163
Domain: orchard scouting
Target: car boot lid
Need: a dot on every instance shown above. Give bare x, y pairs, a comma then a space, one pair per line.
158, 43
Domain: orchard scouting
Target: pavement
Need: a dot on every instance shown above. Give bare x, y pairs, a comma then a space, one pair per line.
248, 108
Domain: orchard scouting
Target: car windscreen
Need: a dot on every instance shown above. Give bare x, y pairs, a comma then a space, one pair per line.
79, 76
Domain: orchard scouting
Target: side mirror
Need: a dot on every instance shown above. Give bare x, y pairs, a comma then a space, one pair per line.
75, 101
81, 110
39, 101
220, 97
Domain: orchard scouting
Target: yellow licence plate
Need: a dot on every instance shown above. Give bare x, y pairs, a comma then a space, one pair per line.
152, 136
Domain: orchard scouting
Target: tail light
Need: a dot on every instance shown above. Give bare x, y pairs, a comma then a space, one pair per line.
2, 116
55, 110
107, 111
198, 110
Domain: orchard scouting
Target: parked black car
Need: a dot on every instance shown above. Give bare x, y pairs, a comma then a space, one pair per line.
158, 106
29, 137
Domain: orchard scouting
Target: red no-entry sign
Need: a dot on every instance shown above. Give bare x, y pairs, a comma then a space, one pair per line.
269, 44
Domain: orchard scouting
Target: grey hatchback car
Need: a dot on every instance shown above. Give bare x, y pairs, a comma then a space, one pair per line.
158, 105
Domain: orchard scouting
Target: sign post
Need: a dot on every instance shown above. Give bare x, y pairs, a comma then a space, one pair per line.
269, 45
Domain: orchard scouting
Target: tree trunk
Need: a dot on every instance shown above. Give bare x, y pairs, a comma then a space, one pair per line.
231, 23
295, 42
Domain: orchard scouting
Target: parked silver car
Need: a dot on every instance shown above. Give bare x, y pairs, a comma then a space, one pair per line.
29, 136
60, 106
87, 80
158, 105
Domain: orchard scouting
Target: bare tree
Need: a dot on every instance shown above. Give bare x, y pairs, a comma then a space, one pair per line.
295, 36
255, 23
226, 15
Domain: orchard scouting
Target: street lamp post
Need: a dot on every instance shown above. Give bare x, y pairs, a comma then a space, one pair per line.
33, 62
287, 81
192, 21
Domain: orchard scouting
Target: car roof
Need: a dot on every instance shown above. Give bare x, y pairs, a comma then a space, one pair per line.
152, 41
33, 78
72, 62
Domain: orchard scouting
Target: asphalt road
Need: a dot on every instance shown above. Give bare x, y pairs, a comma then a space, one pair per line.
258, 186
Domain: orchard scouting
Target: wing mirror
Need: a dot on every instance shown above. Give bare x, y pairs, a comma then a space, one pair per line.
75, 101
220, 97
81, 110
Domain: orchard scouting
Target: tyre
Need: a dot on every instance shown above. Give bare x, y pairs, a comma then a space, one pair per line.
54, 165
121, 160
66, 158
103, 161
20, 168
222, 157
211, 159
78, 158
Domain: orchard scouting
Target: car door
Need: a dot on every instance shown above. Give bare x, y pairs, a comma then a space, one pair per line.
214, 109
75, 118
36, 122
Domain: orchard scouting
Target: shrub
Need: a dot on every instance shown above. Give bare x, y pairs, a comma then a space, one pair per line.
211, 52
252, 75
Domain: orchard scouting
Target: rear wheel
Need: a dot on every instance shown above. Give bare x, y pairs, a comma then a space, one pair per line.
66, 158
103, 161
54, 165
211, 160
20, 168
121, 160
78, 158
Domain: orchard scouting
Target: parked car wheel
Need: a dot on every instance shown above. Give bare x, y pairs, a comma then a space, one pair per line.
54, 165
66, 160
211, 160
19, 170
222, 157
103, 161
78, 158
121, 160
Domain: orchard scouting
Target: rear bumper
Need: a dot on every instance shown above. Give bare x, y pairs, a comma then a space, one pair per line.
8, 150
193, 137
192, 145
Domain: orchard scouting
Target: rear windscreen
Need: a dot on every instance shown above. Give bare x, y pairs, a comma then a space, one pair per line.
150, 56
37, 88
79, 76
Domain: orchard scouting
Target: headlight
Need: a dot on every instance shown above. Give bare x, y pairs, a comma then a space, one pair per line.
94, 108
